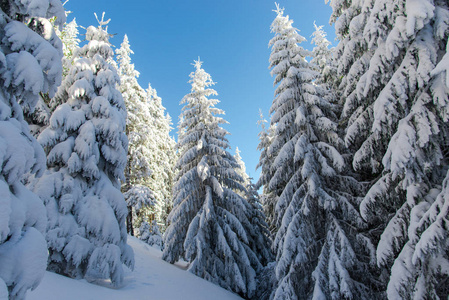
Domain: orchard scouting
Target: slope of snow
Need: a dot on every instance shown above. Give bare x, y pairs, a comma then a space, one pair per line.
152, 278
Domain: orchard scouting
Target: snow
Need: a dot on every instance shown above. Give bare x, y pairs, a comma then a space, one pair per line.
152, 278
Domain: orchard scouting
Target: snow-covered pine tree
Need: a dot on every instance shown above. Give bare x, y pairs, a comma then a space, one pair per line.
258, 232
30, 63
139, 199
141, 139
151, 234
260, 240
410, 112
285, 55
151, 149
427, 233
241, 171
39, 118
352, 56
70, 42
268, 198
163, 156
206, 225
86, 155
320, 252
322, 56
395, 124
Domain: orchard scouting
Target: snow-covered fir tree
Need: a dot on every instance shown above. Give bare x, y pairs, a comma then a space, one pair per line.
163, 157
86, 155
320, 252
427, 232
268, 198
323, 61
141, 138
241, 171
151, 234
258, 232
322, 56
207, 225
285, 55
39, 118
151, 155
30, 63
69, 36
395, 107
139, 200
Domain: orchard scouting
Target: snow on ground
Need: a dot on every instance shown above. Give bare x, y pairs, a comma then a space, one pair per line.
152, 279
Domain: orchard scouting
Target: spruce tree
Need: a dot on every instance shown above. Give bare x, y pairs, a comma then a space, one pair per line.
207, 223
140, 133
39, 118
242, 168
321, 251
30, 64
258, 231
70, 43
322, 56
163, 156
268, 198
86, 155
395, 128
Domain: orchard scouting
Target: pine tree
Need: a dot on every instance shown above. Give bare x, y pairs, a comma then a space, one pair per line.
241, 171
320, 252
30, 63
258, 232
150, 234
415, 162
396, 126
163, 157
70, 42
322, 56
207, 223
260, 240
86, 155
39, 118
268, 198
141, 138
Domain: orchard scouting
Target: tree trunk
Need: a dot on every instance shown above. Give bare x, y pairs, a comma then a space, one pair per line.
129, 221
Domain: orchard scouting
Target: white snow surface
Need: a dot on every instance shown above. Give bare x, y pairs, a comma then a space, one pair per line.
152, 278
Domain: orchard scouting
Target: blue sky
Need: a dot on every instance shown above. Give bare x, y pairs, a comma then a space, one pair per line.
230, 36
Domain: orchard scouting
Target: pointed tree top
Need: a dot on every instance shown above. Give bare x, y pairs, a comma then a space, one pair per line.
278, 10
102, 22
261, 122
319, 28
237, 151
197, 63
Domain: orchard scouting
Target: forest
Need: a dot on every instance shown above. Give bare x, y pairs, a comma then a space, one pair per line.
352, 201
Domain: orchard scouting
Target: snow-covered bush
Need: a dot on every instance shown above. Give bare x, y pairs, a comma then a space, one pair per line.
151, 234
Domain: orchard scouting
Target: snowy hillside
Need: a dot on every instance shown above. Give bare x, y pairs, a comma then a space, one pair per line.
152, 278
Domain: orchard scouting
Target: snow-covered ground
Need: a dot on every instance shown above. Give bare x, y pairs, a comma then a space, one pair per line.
152, 278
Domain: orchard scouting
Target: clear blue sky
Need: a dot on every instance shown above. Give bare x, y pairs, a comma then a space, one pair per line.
230, 36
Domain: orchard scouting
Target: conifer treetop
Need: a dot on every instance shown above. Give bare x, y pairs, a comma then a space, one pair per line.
200, 79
